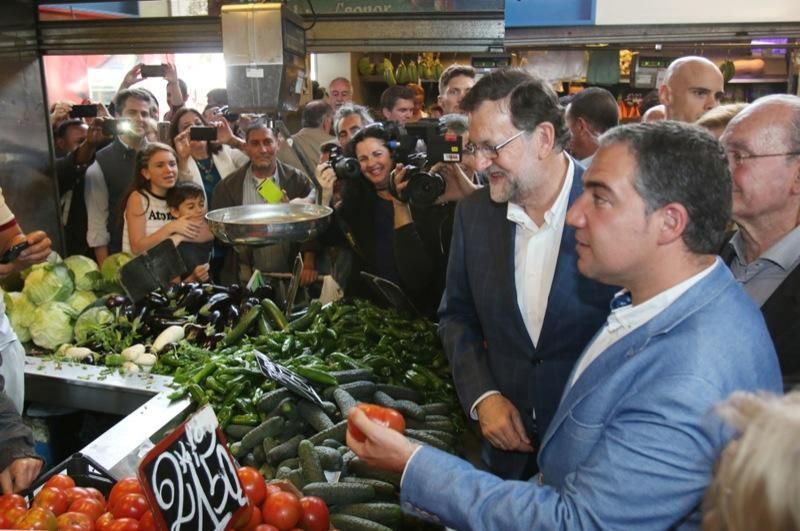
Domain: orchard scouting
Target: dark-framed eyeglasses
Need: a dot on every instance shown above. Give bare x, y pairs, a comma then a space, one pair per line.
490, 152
736, 158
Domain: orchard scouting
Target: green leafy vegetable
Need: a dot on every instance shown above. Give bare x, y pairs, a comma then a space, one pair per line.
52, 324
91, 322
19, 309
85, 270
48, 282
111, 265
81, 299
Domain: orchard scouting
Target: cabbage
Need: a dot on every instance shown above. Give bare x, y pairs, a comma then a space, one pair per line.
85, 271
48, 282
52, 324
19, 309
111, 265
91, 320
81, 299
52, 259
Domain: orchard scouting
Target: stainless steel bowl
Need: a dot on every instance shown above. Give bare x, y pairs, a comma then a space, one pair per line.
268, 224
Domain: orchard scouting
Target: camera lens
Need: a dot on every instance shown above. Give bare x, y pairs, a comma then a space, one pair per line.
424, 188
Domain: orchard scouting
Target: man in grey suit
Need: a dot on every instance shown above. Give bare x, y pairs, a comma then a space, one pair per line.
516, 313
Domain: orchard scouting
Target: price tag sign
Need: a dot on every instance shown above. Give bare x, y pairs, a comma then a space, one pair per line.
287, 378
190, 478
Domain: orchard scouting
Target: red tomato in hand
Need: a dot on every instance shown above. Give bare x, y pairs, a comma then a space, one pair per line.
38, 518
316, 516
255, 488
60, 481
282, 510
52, 498
130, 506
123, 487
147, 522
102, 523
88, 506
384, 416
123, 524
71, 520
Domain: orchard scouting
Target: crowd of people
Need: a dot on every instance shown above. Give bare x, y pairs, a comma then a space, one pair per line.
600, 288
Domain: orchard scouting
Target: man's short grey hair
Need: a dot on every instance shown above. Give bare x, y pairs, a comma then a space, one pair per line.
314, 113
455, 123
681, 163
346, 110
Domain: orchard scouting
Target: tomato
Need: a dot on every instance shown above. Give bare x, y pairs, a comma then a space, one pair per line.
272, 489
265, 527
10, 516
124, 524
102, 523
89, 506
254, 520
130, 506
147, 522
94, 493
74, 493
71, 520
52, 498
60, 481
384, 416
255, 488
282, 510
316, 516
240, 518
123, 487
38, 518
12, 500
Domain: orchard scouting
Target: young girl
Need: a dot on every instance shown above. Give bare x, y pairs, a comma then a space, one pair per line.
147, 217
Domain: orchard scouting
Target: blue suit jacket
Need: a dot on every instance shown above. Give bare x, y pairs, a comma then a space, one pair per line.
480, 305
632, 444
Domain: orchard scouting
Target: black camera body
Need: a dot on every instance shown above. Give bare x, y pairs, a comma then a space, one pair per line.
424, 186
344, 167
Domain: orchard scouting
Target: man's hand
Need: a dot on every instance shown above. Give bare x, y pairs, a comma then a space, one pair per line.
199, 273
501, 424
384, 448
20, 474
170, 73
39, 247
60, 112
133, 76
308, 275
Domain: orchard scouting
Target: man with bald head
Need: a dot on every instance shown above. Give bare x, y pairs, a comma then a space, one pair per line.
340, 91
692, 86
656, 113
763, 147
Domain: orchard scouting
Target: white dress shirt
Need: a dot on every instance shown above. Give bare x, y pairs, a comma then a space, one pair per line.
535, 256
625, 319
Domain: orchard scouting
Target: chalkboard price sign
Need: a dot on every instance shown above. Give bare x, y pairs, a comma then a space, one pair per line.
190, 478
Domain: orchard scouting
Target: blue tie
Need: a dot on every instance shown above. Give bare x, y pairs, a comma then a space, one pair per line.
623, 299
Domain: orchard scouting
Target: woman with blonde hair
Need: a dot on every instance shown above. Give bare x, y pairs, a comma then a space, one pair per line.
756, 485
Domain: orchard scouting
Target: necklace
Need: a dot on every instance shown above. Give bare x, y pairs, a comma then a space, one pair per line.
206, 167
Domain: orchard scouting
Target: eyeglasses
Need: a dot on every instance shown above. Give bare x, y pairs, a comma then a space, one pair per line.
736, 158
490, 152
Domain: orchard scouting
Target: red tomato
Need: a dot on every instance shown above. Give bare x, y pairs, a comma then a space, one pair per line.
255, 488
130, 506
123, 487
74, 493
71, 520
254, 520
316, 516
89, 506
102, 523
60, 481
12, 500
266, 527
94, 493
52, 498
272, 489
147, 522
282, 510
38, 518
123, 524
10, 516
384, 416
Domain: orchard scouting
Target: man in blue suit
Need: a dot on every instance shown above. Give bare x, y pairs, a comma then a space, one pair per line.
633, 443
516, 313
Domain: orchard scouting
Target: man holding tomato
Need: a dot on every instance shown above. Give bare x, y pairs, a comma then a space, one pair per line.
632, 444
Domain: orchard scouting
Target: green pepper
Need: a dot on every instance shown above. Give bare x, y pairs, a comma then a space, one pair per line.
214, 385
316, 375
197, 394
224, 416
308, 319
114, 360
238, 331
204, 373
249, 419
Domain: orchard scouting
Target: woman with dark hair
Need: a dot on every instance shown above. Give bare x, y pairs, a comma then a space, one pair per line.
389, 237
204, 162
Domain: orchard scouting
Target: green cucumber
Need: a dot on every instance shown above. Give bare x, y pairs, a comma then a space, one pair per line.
269, 428
410, 409
310, 463
270, 400
353, 375
338, 432
399, 392
284, 450
329, 458
383, 490
237, 431
293, 475
275, 314
346, 522
357, 467
344, 400
340, 493
314, 416
437, 408
388, 514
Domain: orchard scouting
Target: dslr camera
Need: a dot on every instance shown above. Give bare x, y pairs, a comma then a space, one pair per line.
424, 186
344, 167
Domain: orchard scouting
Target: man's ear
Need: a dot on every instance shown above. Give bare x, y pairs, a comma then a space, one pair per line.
665, 94
386, 112
674, 220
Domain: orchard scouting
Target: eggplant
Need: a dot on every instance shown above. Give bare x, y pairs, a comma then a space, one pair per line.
212, 341
238, 293
156, 299
217, 301
116, 300
193, 300
264, 292
215, 319
231, 314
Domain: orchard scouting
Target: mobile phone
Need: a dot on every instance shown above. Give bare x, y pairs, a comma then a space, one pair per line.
13, 252
115, 127
202, 133
270, 191
83, 111
153, 70
163, 132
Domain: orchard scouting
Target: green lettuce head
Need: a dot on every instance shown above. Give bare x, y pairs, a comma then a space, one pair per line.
48, 283
111, 265
91, 320
19, 309
52, 324
80, 300
84, 270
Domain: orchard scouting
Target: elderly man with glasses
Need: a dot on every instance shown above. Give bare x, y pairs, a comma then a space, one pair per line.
763, 148
516, 313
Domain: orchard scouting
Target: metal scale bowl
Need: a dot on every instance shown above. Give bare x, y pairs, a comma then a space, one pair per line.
268, 224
